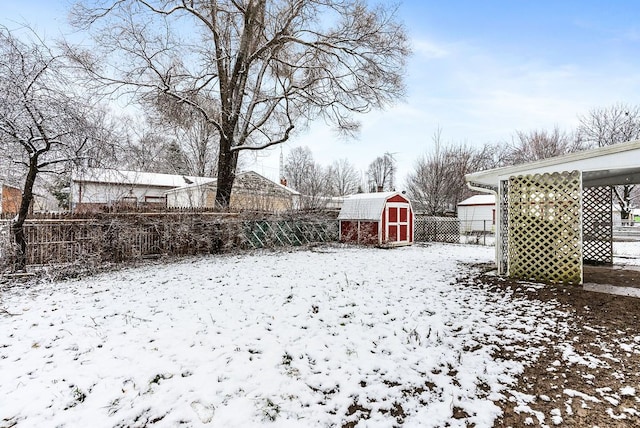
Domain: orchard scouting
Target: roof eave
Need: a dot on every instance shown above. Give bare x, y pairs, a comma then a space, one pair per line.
490, 177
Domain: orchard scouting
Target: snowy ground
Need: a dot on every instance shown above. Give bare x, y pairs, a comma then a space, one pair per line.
626, 252
324, 337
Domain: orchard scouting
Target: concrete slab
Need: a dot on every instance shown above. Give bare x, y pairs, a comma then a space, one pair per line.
612, 289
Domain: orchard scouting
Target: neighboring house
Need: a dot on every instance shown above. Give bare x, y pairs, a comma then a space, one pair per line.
330, 203
94, 189
383, 219
44, 202
251, 192
477, 214
10, 199
335, 202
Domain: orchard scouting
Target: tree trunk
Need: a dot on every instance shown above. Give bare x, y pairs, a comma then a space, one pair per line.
227, 162
17, 227
623, 195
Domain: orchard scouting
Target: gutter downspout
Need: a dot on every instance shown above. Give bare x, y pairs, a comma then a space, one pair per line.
493, 191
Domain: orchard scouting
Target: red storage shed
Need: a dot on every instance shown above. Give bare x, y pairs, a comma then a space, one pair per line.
384, 219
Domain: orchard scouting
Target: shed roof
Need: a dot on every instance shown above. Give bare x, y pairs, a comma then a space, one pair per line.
365, 206
478, 200
602, 166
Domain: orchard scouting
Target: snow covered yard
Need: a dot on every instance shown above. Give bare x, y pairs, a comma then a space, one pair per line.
331, 336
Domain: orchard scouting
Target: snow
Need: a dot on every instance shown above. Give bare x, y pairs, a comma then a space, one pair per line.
628, 391
626, 253
140, 178
585, 397
365, 206
316, 338
556, 417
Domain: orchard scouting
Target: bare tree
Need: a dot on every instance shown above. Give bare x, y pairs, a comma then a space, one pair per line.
43, 124
612, 125
437, 182
461, 159
196, 137
343, 178
307, 177
147, 151
296, 167
268, 66
426, 183
316, 187
539, 144
381, 173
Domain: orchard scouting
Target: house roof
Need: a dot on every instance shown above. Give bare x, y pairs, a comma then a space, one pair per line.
478, 200
288, 189
2, 184
602, 166
114, 176
365, 206
213, 181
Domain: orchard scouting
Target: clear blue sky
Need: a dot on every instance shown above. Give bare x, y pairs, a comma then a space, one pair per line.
480, 71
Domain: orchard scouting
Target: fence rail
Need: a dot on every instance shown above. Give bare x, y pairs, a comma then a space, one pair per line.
126, 237
64, 239
453, 230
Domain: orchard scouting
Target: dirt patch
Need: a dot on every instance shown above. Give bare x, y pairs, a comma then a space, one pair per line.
589, 375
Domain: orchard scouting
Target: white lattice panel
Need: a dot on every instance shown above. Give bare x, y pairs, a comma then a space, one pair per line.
545, 228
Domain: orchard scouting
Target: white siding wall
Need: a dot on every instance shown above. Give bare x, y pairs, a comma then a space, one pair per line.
100, 193
476, 217
187, 197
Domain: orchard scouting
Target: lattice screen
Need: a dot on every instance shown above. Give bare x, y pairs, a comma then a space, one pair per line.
545, 227
597, 223
268, 234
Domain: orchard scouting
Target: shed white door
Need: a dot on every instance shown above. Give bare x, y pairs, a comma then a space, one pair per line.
397, 221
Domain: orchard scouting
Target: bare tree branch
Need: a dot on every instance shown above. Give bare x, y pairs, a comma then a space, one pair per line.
43, 123
269, 66
618, 123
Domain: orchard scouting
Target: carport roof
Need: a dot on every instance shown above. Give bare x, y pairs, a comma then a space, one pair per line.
602, 166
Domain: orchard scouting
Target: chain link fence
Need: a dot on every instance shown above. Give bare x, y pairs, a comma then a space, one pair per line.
453, 230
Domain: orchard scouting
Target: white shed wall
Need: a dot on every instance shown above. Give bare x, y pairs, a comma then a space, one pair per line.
476, 218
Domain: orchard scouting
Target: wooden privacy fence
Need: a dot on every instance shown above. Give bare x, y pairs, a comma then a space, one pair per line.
115, 238
126, 237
